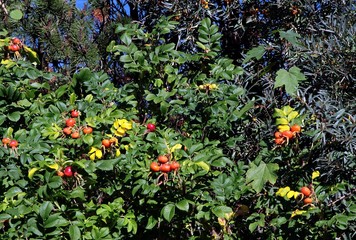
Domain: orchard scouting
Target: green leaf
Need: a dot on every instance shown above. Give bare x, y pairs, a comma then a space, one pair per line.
221, 210
290, 36
45, 209
256, 52
55, 220
74, 232
126, 59
2, 119
168, 211
167, 47
125, 38
14, 116
237, 114
106, 165
183, 205
84, 75
88, 139
4, 216
257, 176
12, 192
151, 222
289, 79
16, 14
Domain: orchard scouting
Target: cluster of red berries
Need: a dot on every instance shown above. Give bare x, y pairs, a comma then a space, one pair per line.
67, 172
15, 45
10, 142
164, 165
287, 135
71, 128
306, 193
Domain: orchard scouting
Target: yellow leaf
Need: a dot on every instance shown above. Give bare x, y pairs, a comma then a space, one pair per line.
92, 150
282, 121
31, 172
297, 212
175, 147
118, 153
98, 153
296, 195
116, 124
292, 115
6, 61
283, 128
229, 215
120, 132
32, 55
286, 110
222, 221
283, 191
54, 166
315, 174
291, 194
203, 165
127, 125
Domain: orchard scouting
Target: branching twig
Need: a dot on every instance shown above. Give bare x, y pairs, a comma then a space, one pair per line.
2, 4
342, 198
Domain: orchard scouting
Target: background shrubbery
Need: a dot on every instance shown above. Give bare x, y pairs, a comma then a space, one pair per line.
218, 79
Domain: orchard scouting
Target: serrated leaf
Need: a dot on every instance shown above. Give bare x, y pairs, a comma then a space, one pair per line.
287, 110
290, 79
168, 212
278, 113
281, 121
258, 176
292, 115
290, 36
256, 52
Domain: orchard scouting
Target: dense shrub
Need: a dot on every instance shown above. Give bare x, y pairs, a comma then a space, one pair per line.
79, 149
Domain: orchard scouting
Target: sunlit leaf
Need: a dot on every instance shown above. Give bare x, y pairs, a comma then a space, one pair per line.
258, 176
290, 79
31, 172
315, 174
